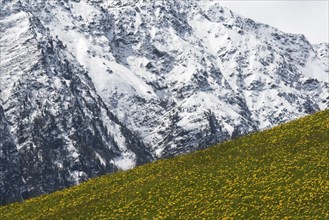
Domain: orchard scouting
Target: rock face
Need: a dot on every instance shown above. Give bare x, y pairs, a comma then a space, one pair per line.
88, 87
55, 130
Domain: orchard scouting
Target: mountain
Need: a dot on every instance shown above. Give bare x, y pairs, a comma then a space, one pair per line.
55, 129
278, 173
89, 87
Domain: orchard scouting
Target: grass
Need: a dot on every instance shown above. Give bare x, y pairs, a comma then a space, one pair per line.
281, 173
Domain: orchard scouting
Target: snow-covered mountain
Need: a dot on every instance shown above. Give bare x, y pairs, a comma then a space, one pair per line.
92, 86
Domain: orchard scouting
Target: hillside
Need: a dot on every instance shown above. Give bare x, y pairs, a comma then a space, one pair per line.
281, 172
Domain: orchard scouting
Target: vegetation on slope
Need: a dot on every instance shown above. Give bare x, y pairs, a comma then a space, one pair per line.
281, 172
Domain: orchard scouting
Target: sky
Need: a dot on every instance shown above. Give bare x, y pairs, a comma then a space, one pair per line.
308, 17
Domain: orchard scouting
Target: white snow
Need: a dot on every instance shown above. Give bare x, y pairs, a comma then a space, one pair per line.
85, 10
314, 70
125, 162
100, 159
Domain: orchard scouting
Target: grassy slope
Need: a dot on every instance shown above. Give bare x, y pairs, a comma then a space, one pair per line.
277, 173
